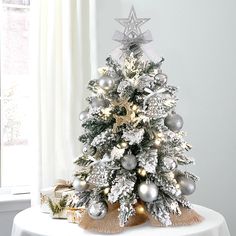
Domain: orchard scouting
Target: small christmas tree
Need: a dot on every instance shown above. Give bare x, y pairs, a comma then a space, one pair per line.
133, 143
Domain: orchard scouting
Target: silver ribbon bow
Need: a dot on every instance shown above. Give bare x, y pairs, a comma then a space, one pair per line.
143, 38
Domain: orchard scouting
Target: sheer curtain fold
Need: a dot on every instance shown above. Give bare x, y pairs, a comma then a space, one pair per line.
60, 71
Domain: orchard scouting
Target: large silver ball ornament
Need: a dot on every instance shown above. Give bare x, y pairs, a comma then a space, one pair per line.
174, 122
80, 185
83, 115
187, 185
148, 192
97, 210
168, 164
106, 83
129, 162
89, 150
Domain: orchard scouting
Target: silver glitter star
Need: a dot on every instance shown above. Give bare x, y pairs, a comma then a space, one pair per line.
132, 24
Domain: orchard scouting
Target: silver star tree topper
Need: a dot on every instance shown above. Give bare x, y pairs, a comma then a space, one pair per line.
132, 24
132, 32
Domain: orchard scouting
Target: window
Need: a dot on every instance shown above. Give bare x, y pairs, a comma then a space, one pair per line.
15, 94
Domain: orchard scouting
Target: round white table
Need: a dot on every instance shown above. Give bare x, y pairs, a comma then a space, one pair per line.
31, 222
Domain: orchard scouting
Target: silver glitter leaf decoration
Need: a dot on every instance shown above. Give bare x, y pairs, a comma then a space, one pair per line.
99, 175
148, 160
122, 186
155, 108
158, 105
134, 136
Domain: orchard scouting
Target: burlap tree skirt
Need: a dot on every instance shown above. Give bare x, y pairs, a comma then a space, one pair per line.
110, 223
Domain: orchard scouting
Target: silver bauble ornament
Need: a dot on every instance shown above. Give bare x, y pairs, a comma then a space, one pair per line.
168, 164
97, 210
187, 185
161, 79
129, 162
106, 83
174, 122
98, 102
148, 192
89, 150
80, 185
83, 115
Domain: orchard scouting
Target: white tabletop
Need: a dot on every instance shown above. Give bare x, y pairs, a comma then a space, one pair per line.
31, 222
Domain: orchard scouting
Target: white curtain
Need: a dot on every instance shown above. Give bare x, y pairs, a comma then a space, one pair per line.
60, 72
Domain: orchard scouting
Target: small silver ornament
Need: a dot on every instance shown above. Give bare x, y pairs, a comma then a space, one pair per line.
83, 115
97, 210
174, 122
106, 83
98, 102
148, 192
80, 185
129, 162
168, 164
161, 79
89, 150
187, 185
145, 82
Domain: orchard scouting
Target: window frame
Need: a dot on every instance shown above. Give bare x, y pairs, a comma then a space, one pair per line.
16, 189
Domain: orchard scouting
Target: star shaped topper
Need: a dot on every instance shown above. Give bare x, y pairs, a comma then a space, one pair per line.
132, 24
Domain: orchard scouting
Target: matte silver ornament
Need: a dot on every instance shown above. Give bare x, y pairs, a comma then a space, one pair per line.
174, 122
187, 185
97, 210
83, 115
80, 185
129, 162
89, 150
148, 192
168, 164
98, 102
161, 79
106, 83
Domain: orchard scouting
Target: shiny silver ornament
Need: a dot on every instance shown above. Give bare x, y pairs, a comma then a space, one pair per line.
174, 122
148, 192
168, 164
89, 150
97, 210
98, 102
161, 79
129, 162
187, 185
83, 115
80, 185
106, 83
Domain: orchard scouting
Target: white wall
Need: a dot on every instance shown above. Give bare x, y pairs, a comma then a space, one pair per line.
198, 40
